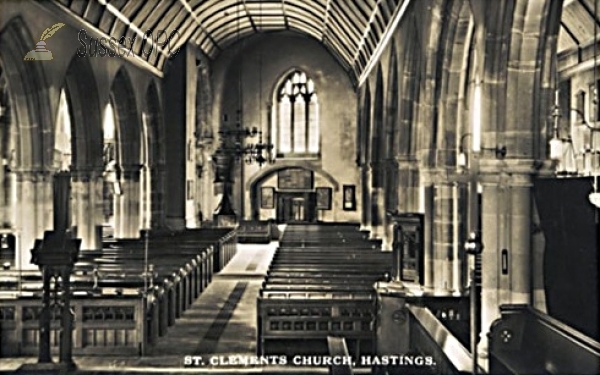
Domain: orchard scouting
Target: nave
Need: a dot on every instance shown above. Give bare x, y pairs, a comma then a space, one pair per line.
460, 137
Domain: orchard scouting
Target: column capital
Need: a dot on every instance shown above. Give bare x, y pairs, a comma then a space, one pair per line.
131, 172
86, 174
407, 162
443, 176
36, 175
512, 172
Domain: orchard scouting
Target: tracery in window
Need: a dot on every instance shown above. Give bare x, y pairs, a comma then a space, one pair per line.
296, 126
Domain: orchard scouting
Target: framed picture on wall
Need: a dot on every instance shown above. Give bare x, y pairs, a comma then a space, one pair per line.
349, 199
323, 198
267, 197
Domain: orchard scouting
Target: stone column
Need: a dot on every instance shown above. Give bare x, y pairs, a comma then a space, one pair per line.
443, 236
145, 197
377, 198
86, 195
34, 213
365, 176
460, 227
127, 207
157, 204
506, 234
390, 203
408, 184
206, 187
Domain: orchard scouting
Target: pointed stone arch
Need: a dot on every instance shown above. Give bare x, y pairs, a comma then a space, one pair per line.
86, 119
409, 77
154, 123
128, 134
83, 100
128, 127
33, 154
390, 182
29, 90
364, 140
378, 143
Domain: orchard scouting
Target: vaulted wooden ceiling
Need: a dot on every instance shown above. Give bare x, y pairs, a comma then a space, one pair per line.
580, 20
350, 30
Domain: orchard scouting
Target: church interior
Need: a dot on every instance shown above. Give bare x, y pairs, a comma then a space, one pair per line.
300, 186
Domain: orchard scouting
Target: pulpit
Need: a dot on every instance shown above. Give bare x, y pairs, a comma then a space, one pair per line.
55, 255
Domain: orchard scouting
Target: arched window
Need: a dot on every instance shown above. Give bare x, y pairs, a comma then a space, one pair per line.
296, 125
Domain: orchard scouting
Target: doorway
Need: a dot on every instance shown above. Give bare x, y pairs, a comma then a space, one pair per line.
296, 207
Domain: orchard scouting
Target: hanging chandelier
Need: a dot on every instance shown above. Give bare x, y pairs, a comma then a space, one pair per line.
233, 143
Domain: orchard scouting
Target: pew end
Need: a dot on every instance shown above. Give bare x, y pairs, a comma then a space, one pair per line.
338, 349
525, 340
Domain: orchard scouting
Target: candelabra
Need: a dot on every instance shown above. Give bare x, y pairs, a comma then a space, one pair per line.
233, 148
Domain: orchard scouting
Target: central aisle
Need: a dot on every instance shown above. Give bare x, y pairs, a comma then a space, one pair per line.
222, 320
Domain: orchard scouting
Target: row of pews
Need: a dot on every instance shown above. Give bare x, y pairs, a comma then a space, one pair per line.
320, 285
125, 296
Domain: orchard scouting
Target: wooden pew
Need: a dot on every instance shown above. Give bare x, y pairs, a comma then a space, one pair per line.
319, 284
180, 267
108, 325
292, 321
527, 341
254, 231
338, 349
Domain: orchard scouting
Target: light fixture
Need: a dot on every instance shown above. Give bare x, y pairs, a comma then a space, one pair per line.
233, 147
499, 151
578, 154
232, 140
556, 143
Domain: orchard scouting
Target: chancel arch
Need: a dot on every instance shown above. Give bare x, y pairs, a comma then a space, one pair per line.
290, 192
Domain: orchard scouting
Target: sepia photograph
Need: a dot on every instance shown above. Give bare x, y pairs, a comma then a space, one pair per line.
385, 187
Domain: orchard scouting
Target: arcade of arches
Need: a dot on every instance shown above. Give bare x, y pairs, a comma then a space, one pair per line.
366, 123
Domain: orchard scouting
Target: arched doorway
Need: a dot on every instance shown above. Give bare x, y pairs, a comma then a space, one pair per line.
292, 193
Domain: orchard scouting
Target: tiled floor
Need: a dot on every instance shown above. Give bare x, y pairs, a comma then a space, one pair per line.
221, 322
